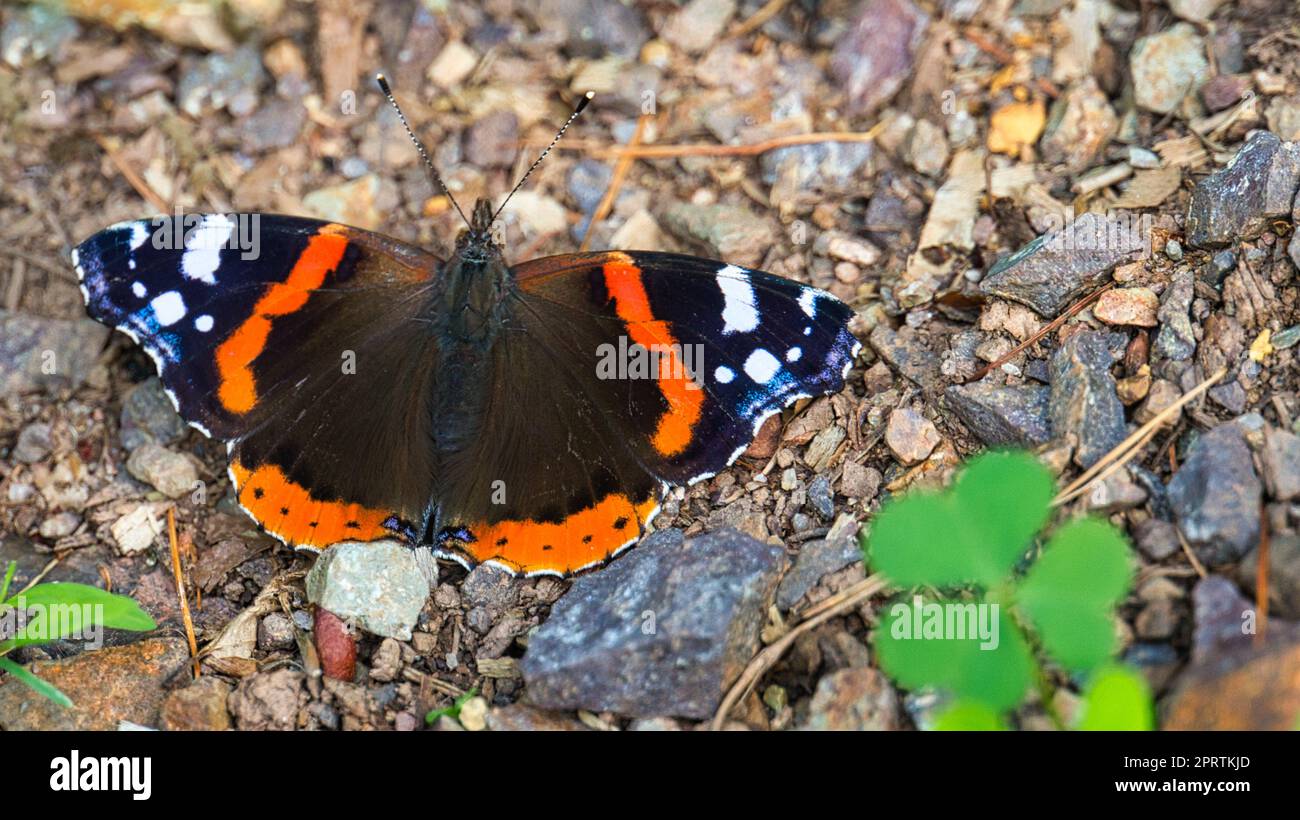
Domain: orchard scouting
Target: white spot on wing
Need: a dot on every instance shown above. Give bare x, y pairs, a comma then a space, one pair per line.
761, 366
168, 308
203, 324
138, 289
203, 248
139, 235
793, 354
808, 301
724, 375
740, 310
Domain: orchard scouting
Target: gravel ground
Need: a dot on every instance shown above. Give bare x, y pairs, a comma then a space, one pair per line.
961, 130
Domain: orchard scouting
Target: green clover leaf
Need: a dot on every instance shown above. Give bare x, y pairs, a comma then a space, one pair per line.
912, 647
1070, 593
1117, 699
973, 534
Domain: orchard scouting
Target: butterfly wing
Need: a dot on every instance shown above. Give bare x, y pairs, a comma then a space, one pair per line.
735, 345
591, 431
230, 307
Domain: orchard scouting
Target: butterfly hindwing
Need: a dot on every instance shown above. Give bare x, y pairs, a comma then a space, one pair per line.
271, 333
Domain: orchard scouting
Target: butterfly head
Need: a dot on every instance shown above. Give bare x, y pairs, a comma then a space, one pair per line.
477, 243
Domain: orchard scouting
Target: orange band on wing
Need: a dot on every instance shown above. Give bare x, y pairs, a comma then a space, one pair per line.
580, 541
289, 512
684, 397
238, 388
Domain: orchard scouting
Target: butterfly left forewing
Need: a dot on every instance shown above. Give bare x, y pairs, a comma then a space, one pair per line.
296, 341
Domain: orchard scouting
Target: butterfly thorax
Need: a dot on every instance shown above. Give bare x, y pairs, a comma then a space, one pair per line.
469, 317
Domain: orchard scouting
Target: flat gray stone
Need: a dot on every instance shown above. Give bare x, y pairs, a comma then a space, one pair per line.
1215, 496
1002, 415
1176, 341
1084, 402
47, 354
662, 631
377, 585
1237, 202
1049, 272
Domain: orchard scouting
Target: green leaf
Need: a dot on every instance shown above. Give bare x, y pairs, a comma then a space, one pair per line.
996, 676
1070, 593
452, 711
39, 686
969, 716
1003, 499
63, 609
8, 579
973, 534
1117, 699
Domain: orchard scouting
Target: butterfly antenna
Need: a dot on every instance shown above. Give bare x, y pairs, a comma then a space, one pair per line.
419, 146
586, 98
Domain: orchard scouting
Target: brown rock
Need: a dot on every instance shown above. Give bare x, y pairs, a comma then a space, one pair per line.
268, 701
520, 717
335, 646
107, 685
201, 706
1260, 692
910, 435
1127, 306
858, 699
767, 440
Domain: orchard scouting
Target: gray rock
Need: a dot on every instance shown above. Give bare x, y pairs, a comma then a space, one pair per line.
493, 140
1003, 415
34, 33
662, 631
1157, 539
1167, 66
33, 443
873, 58
275, 125
172, 474
376, 585
490, 587
148, 415
1083, 401
854, 700
730, 232
1215, 496
218, 81
1221, 264
819, 497
46, 354
587, 182
275, 632
1238, 201
826, 167
1048, 273
593, 28
1281, 460
1220, 614
695, 26
816, 560
1081, 124
1176, 341
906, 353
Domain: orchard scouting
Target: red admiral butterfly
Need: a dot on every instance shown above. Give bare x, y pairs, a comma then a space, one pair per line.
475, 415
